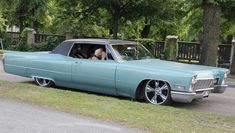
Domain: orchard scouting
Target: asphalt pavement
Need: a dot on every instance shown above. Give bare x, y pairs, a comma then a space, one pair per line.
18, 117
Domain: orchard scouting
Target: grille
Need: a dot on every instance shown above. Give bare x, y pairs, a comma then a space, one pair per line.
203, 84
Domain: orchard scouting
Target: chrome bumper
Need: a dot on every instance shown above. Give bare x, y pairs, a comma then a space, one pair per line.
219, 89
187, 97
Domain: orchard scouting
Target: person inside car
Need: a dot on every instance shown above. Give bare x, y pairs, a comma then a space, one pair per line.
99, 54
83, 54
74, 53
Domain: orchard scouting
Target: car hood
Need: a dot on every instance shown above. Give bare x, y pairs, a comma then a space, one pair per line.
199, 70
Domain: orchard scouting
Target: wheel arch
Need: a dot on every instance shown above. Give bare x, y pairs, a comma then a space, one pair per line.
138, 91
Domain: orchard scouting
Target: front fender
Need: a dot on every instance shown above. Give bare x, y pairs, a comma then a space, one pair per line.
129, 77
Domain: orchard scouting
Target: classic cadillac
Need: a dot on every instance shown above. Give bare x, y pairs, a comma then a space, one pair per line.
128, 70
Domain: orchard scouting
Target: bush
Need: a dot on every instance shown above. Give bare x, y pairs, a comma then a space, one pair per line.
50, 44
22, 44
6, 40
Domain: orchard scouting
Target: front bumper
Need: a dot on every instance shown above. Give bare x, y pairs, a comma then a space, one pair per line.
219, 89
187, 97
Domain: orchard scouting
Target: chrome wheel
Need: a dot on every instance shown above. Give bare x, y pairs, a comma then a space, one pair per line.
157, 92
43, 82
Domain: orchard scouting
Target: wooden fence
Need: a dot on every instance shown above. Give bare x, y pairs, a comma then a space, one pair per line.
38, 38
15, 37
43, 37
191, 52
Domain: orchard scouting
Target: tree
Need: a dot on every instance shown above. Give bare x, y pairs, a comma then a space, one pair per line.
25, 13
210, 37
124, 9
211, 28
70, 17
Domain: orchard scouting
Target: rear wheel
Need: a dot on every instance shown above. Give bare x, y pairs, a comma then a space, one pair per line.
157, 92
44, 82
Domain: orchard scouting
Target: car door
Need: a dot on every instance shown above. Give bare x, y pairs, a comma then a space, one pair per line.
95, 75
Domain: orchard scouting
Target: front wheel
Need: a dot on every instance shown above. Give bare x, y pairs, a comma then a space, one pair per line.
44, 82
157, 92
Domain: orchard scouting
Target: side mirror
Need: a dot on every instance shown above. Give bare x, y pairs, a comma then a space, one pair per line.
162, 56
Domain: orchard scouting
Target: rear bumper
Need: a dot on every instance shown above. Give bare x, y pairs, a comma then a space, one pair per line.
187, 97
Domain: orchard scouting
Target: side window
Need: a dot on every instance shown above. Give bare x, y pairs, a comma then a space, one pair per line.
81, 51
98, 52
74, 51
109, 54
91, 52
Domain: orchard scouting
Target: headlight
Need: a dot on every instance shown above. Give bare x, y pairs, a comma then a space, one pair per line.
180, 87
194, 80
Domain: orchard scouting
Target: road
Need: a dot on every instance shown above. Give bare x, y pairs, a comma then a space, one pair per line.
217, 103
18, 117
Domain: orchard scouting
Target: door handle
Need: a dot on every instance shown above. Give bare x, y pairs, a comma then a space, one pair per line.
76, 62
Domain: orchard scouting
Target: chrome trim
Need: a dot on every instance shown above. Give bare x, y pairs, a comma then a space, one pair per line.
206, 89
204, 78
112, 52
202, 84
187, 97
33, 76
70, 49
182, 96
115, 55
219, 88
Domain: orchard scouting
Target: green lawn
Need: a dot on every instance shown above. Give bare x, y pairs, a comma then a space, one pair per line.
190, 62
1, 52
149, 117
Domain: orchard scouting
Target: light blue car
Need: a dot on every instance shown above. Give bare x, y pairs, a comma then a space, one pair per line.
117, 67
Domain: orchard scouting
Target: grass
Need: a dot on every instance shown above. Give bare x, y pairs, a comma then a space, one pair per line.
1, 54
189, 61
134, 114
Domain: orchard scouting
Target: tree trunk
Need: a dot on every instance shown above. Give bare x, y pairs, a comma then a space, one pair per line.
145, 32
21, 24
210, 37
232, 68
115, 25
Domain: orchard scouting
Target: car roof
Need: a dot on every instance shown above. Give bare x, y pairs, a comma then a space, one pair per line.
103, 41
65, 47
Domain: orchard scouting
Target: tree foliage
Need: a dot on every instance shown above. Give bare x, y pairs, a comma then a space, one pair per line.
118, 18
25, 13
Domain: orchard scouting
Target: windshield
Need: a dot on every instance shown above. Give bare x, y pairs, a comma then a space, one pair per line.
131, 52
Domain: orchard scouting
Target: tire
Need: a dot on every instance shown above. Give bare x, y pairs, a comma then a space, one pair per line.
157, 92
43, 82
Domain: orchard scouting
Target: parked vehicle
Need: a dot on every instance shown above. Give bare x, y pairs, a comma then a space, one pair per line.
128, 70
